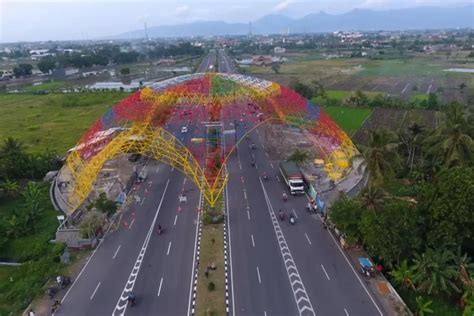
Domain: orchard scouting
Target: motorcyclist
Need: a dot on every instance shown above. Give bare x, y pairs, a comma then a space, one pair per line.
309, 207
160, 229
131, 298
285, 197
282, 215
265, 176
292, 218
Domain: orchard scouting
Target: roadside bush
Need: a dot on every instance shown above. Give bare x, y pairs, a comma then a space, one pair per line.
213, 217
211, 286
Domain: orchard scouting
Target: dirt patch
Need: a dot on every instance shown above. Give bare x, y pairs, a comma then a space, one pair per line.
395, 120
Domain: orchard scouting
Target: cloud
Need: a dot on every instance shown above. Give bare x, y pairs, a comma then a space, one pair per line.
282, 5
182, 10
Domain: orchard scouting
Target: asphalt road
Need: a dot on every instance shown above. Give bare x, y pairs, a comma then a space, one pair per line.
301, 269
158, 268
224, 62
210, 59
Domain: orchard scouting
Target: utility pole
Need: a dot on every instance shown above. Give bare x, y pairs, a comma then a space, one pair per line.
146, 32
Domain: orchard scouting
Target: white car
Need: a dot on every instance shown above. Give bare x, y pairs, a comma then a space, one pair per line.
184, 129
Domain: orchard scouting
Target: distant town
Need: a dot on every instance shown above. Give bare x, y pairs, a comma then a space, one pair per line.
126, 65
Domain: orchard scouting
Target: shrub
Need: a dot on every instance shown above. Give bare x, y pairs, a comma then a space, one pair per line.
211, 286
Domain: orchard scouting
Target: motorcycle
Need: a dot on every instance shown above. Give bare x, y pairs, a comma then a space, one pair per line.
51, 292
265, 177
131, 299
292, 219
285, 197
282, 216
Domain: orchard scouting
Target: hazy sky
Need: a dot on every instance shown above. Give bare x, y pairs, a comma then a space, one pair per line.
85, 19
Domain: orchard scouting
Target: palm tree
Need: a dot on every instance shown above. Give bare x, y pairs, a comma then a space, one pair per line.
403, 275
423, 307
381, 154
411, 139
451, 144
435, 272
299, 157
374, 197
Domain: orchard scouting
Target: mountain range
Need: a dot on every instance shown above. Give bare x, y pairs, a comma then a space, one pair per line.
358, 19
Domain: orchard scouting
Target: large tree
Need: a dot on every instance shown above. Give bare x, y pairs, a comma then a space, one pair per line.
346, 215
451, 143
391, 234
23, 70
13, 159
447, 205
381, 154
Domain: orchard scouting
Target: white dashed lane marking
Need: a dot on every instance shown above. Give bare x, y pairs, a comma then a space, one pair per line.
95, 291
116, 251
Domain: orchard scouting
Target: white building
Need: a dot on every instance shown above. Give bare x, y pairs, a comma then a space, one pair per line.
279, 50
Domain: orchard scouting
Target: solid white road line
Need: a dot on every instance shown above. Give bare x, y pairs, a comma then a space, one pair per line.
85, 266
357, 276
131, 223
230, 249
121, 305
175, 219
345, 311
194, 258
95, 291
353, 270
253, 241
169, 247
327, 276
116, 251
159, 288
258, 274
307, 238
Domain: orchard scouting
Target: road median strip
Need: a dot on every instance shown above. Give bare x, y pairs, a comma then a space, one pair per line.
212, 272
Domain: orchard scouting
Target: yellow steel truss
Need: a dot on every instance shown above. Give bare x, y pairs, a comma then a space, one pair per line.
141, 138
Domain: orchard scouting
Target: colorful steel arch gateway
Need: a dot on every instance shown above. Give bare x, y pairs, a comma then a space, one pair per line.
142, 123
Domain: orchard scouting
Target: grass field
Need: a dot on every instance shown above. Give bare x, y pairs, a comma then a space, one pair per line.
50, 86
343, 94
348, 118
53, 121
410, 67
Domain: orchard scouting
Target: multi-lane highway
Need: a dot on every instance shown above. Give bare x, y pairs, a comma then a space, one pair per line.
209, 59
279, 268
224, 62
157, 268
275, 268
